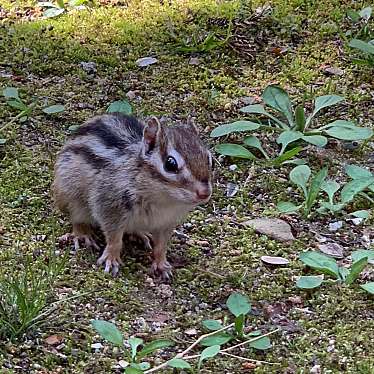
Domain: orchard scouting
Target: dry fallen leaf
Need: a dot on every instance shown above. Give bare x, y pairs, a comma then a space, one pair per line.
54, 339
274, 260
332, 249
249, 365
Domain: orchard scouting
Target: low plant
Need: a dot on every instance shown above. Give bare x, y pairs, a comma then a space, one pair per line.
120, 106
54, 9
219, 335
328, 265
24, 294
293, 124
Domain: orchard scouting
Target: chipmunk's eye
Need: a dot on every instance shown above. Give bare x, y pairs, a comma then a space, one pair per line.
171, 165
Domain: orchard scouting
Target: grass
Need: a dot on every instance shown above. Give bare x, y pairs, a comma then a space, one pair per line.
219, 255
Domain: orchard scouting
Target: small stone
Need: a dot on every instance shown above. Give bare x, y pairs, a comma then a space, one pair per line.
194, 61
332, 249
131, 95
191, 332
231, 189
334, 226
272, 227
248, 100
357, 221
316, 369
333, 71
123, 364
88, 67
96, 346
233, 167
146, 61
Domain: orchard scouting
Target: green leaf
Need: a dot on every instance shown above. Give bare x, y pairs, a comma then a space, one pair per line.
324, 102
287, 137
61, 3
300, 176
58, 108
254, 333
53, 12
330, 187
286, 156
354, 16
208, 353
178, 363
345, 133
120, 106
144, 366
287, 207
154, 346
238, 304
234, 150
332, 207
278, 99
315, 186
237, 126
300, 118
369, 287
318, 140
259, 109
320, 262
361, 214
239, 324
252, 141
362, 253
366, 13
362, 46
130, 370
356, 269
17, 104
343, 273
108, 331
218, 339
310, 281
134, 344
261, 343
355, 186
212, 324
357, 172
339, 123
11, 93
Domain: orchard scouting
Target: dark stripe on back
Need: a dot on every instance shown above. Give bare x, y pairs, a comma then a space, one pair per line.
100, 128
88, 155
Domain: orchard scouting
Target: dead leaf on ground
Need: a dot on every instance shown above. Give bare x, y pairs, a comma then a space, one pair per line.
273, 227
332, 249
249, 365
274, 260
146, 61
54, 339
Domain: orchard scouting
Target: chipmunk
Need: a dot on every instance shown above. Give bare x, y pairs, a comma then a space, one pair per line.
125, 176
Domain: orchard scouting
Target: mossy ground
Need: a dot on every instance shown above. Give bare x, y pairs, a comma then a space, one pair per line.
331, 327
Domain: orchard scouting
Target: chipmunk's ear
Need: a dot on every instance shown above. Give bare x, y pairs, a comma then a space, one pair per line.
192, 125
151, 134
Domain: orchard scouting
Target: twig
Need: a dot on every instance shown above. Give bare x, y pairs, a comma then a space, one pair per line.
249, 359
193, 345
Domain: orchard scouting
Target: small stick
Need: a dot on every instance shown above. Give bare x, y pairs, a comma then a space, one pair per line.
250, 359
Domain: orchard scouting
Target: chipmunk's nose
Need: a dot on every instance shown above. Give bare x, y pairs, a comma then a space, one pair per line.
203, 192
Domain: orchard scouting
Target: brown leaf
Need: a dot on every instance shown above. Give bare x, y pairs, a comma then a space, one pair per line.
274, 260
249, 365
54, 339
332, 249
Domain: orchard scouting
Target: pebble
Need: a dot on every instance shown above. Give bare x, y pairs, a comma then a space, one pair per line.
334, 226
88, 67
131, 95
233, 167
96, 346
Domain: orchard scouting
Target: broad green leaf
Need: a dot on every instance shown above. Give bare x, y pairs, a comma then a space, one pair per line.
208, 353
154, 346
357, 172
362, 46
287, 207
17, 104
330, 187
345, 133
238, 304
300, 118
355, 186
310, 281
73, 128
120, 106
324, 102
361, 214
259, 109
237, 126
366, 12
11, 93
362, 253
278, 99
332, 207
287, 155
339, 123
369, 287
315, 186
144, 366
239, 324
53, 12
108, 331
318, 140
252, 141
356, 269
179, 363
234, 150
261, 343
300, 176
130, 370
218, 339
354, 16
287, 137
254, 333
212, 324
58, 108
134, 344
320, 262
343, 273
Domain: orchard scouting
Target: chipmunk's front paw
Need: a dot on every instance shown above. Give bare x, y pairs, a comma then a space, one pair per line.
112, 262
162, 270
